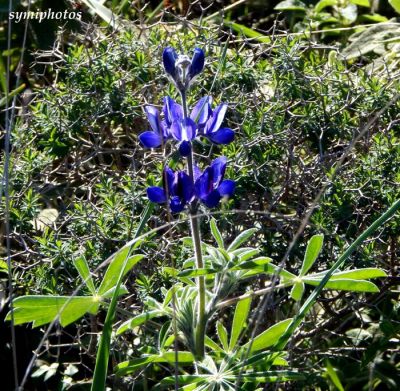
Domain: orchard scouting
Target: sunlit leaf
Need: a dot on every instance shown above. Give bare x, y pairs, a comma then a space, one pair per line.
345, 285
242, 238
239, 320
313, 249
115, 266
269, 337
138, 320
83, 270
216, 233
297, 291
222, 335
355, 274
44, 309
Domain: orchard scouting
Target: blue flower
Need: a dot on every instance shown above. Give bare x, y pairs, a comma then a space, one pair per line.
182, 129
177, 190
210, 185
159, 133
180, 68
212, 129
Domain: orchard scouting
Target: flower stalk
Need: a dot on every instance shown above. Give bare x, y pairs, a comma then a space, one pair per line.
196, 236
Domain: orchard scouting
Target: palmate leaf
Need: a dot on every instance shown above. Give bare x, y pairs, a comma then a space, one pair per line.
210, 380
44, 309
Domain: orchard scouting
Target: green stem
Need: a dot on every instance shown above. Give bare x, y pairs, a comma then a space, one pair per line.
195, 230
312, 298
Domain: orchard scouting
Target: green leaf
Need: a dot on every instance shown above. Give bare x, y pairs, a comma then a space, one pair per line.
139, 320
212, 345
197, 272
113, 271
396, 5
290, 5
83, 270
333, 375
19, 89
239, 320
248, 254
270, 268
3, 266
314, 247
355, 274
273, 376
241, 238
362, 3
297, 291
222, 335
345, 285
323, 4
377, 18
253, 264
247, 32
269, 337
216, 233
44, 309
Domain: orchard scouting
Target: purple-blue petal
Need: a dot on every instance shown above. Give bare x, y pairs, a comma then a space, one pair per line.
169, 58
212, 199
185, 187
176, 205
184, 130
201, 186
169, 181
154, 118
185, 148
172, 111
156, 194
222, 136
217, 169
150, 139
215, 122
202, 111
197, 63
226, 188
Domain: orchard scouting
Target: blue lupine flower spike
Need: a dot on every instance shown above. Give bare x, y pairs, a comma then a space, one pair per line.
180, 190
159, 133
210, 186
